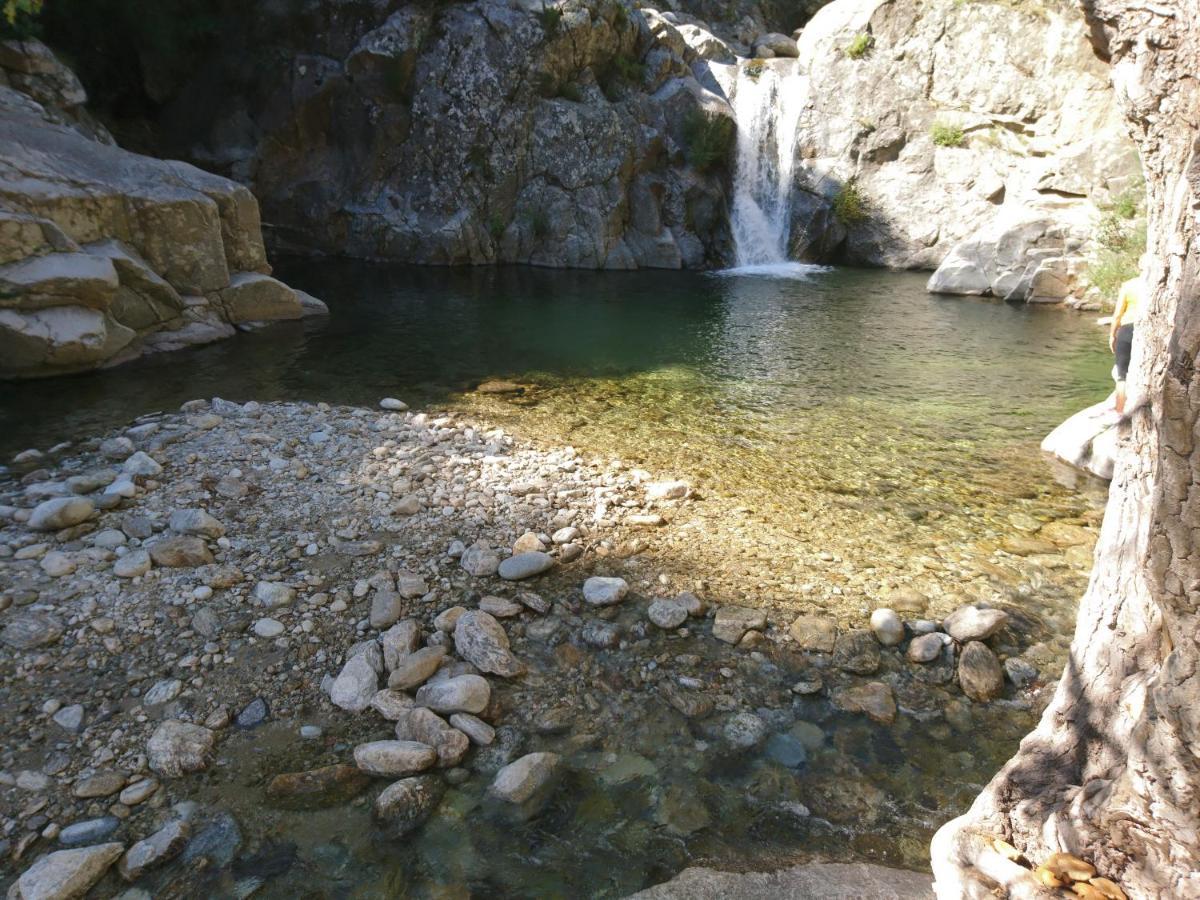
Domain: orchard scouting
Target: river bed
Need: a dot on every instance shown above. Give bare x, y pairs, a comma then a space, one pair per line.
851, 442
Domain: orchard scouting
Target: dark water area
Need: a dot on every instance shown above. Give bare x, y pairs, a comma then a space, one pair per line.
780, 344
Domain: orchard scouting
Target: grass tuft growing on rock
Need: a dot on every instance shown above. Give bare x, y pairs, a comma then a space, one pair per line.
551, 18
860, 45
849, 205
1120, 241
19, 19
946, 135
709, 140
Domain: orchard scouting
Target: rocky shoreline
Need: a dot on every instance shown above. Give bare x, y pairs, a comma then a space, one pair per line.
417, 603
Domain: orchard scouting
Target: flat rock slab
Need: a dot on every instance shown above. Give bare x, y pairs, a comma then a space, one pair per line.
818, 881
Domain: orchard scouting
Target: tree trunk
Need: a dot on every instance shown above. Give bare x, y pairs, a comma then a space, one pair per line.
1112, 772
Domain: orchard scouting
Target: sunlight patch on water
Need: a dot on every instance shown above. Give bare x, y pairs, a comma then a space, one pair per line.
794, 271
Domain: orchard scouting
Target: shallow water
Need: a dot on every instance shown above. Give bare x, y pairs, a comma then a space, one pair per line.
855, 434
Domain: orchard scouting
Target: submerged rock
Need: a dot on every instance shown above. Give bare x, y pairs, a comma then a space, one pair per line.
394, 758
164, 844
857, 651
65, 873
528, 782
979, 672
873, 698
318, 788
405, 805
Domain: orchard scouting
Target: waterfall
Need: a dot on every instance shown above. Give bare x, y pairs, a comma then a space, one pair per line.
768, 97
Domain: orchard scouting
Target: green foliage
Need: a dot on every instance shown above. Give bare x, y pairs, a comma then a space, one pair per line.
550, 17
19, 19
496, 226
709, 140
539, 223
849, 206
754, 68
946, 135
860, 45
620, 75
569, 90
1120, 239
629, 69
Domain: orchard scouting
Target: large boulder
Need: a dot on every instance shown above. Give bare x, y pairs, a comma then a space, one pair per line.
1088, 440
102, 245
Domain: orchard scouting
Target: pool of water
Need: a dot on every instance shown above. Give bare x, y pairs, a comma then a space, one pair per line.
853, 434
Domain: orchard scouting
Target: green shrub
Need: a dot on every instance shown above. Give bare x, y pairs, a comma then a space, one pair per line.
709, 140
1120, 242
569, 90
19, 19
754, 68
947, 135
629, 69
550, 17
860, 45
621, 74
496, 226
849, 206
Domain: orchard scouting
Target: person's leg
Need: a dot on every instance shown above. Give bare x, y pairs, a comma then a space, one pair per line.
1123, 350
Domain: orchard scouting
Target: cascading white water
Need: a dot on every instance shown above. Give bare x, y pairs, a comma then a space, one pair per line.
768, 98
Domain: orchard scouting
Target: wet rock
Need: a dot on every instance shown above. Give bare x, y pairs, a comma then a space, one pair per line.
600, 591
925, 648
691, 704
1022, 545
1020, 672
273, 594
181, 552
667, 490
482, 641
317, 788
809, 682
478, 731
132, 564
354, 687
90, 831
745, 731
466, 693
403, 806
138, 792
197, 522
218, 842
887, 627
667, 614
857, 651
30, 630
874, 698
255, 713
732, 622
525, 565
972, 623
163, 845
528, 782
427, 727
979, 672
394, 758
414, 669
786, 750
177, 748
480, 560
61, 512
601, 635
65, 873
681, 810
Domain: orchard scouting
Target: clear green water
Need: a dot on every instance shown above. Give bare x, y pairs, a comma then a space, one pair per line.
852, 433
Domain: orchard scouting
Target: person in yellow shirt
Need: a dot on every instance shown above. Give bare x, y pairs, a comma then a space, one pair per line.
1130, 300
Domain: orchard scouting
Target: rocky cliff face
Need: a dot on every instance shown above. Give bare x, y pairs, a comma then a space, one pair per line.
105, 254
980, 138
483, 132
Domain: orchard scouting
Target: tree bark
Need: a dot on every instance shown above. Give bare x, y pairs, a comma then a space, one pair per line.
1112, 772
